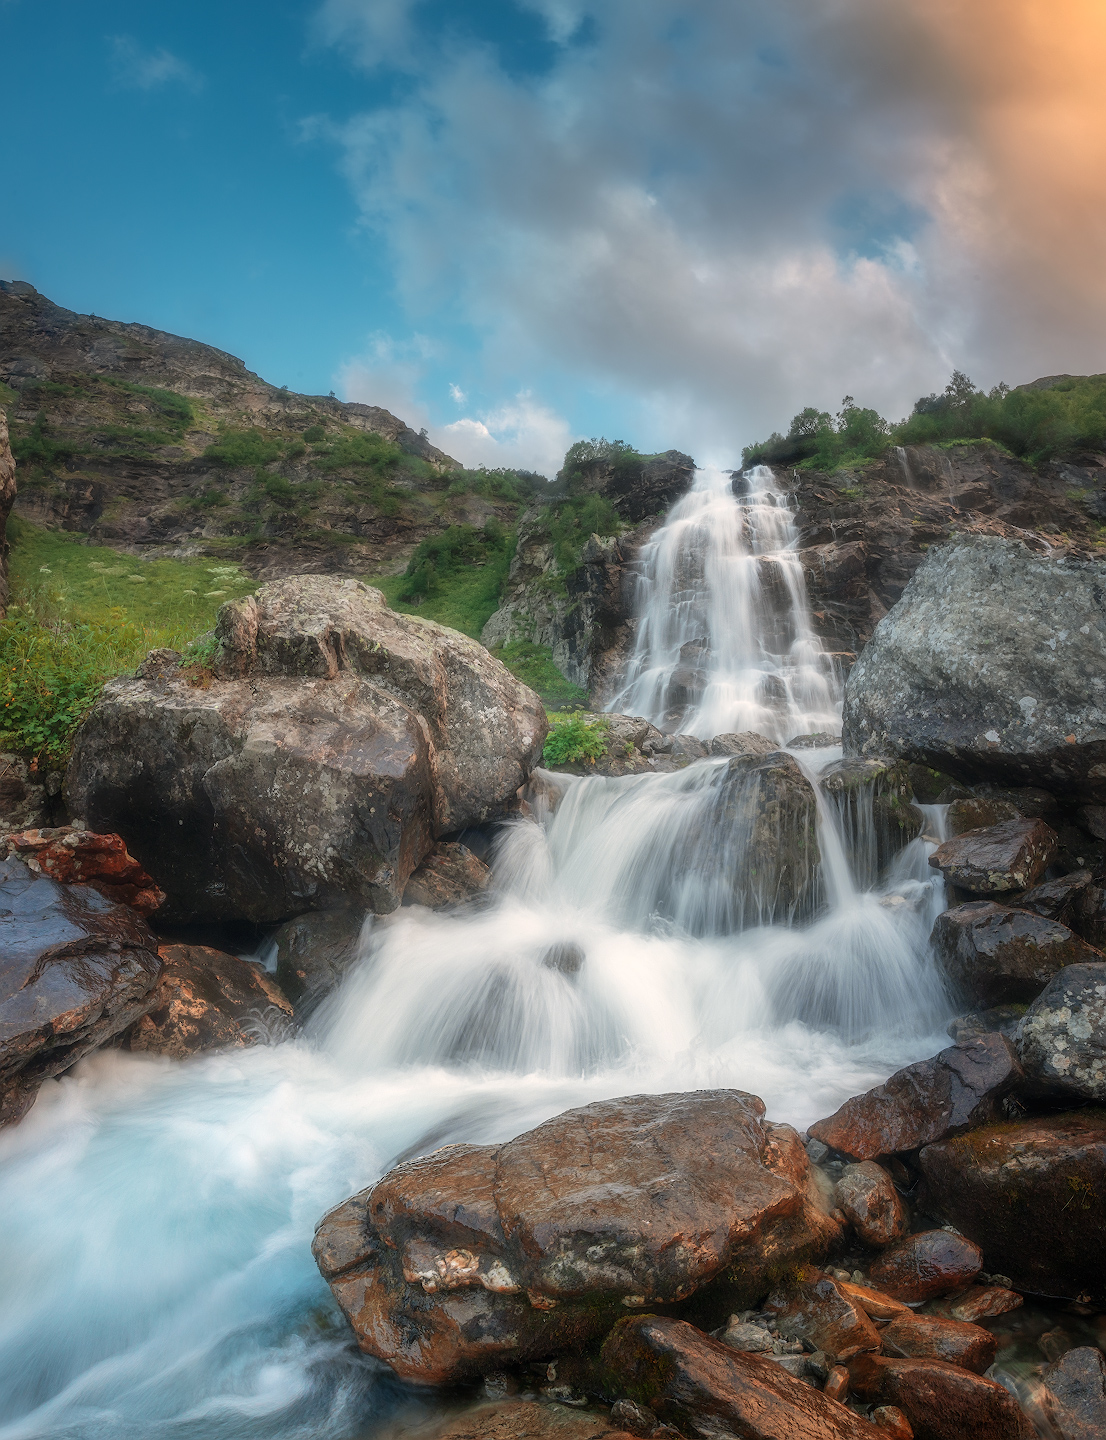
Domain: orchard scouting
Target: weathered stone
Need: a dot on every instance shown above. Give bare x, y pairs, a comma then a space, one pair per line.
78, 857
705, 1388
932, 1337
1054, 898
75, 970
958, 1089
1000, 1019
978, 1302
893, 1423
997, 955
815, 1309
744, 1335
1061, 1040
450, 874
314, 953
1010, 856
926, 1265
28, 798
941, 1401
1007, 1187
873, 1302
479, 1255
337, 741
206, 1000
874, 800
867, 1197
744, 742
979, 813
1087, 912
991, 666
1076, 1399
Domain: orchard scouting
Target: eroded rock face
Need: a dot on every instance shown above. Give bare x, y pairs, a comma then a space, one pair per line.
926, 1265
478, 1255
867, 1197
337, 740
874, 800
1006, 1186
1012, 855
75, 970
941, 1401
450, 874
207, 1000
7, 499
997, 955
1061, 1039
993, 666
957, 1090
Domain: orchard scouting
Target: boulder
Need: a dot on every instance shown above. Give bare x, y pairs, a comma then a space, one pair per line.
1076, 1394
1009, 856
867, 1197
480, 1255
206, 1000
932, 1337
994, 954
926, 1265
941, 1401
1061, 1039
815, 1310
958, 1089
891, 1420
705, 1388
1054, 899
1000, 1019
977, 1302
991, 666
1031, 1194
742, 742
979, 813
75, 970
449, 874
874, 1303
314, 952
77, 857
330, 744
874, 801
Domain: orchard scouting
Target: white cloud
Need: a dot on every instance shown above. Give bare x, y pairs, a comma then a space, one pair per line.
457, 395
523, 435
140, 69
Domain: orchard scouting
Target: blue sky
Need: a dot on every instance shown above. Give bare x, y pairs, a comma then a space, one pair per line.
522, 221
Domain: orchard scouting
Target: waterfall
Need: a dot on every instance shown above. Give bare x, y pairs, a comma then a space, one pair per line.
724, 638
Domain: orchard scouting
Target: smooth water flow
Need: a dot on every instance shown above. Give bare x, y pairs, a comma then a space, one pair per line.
155, 1269
724, 639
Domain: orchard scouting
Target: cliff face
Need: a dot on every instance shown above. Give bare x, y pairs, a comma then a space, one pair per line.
7, 496
119, 429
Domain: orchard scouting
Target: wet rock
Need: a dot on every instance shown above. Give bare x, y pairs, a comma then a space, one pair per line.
1087, 912
1076, 1400
978, 1302
745, 742
979, 813
815, 740
1061, 1040
74, 856
1031, 1193
874, 1302
941, 1401
891, 1420
75, 970
814, 1309
28, 798
990, 666
994, 954
932, 1337
744, 1335
314, 953
926, 1265
525, 1420
1054, 898
1006, 857
705, 1388
450, 874
480, 1255
336, 742
867, 1197
634, 1419
206, 1000
958, 1089
767, 808
1000, 1019
874, 803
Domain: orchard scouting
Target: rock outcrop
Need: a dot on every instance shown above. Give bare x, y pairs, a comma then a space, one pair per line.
330, 746
993, 667
450, 874
7, 500
999, 955
478, 1255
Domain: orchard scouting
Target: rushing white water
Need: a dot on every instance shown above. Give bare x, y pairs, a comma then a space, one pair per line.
724, 639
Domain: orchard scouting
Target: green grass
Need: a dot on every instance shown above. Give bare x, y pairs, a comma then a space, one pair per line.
575, 740
533, 665
466, 603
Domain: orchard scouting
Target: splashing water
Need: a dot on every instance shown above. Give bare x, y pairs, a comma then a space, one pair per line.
724, 639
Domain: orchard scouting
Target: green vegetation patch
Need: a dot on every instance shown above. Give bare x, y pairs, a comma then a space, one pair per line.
576, 739
455, 578
533, 665
241, 449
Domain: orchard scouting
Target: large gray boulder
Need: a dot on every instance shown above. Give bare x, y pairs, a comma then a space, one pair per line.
992, 665
327, 747
1061, 1039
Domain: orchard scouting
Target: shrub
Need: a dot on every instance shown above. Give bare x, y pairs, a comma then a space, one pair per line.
576, 739
238, 449
314, 433
51, 678
573, 522
439, 557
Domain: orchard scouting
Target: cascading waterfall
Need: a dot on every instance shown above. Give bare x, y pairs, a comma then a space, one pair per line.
155, 1270
724, 639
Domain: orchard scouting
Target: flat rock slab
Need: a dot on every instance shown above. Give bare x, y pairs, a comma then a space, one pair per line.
958, 1089
926, 1265
1007, 1187
704, 1388
75, 970
932, 1337
941, 1401
1012, 855
479, 1255
1061, 1039
994, 954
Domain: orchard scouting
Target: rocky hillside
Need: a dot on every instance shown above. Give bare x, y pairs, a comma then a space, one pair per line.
164, 446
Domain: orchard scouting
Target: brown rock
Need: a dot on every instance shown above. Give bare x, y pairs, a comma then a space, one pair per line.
995, 955
1087, 912
873, 1302
206, 1000
941, 1401
891, 1419
524, 1420
1006, 1186
1010, 856
837, 1384
703, 1387
867, 1197
931, 1337
1055, 898
978, 1302
956, 1090
926, 1265
449, 874
815, 1309
77, 857
979, 813
1076, 1394
479, 1255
